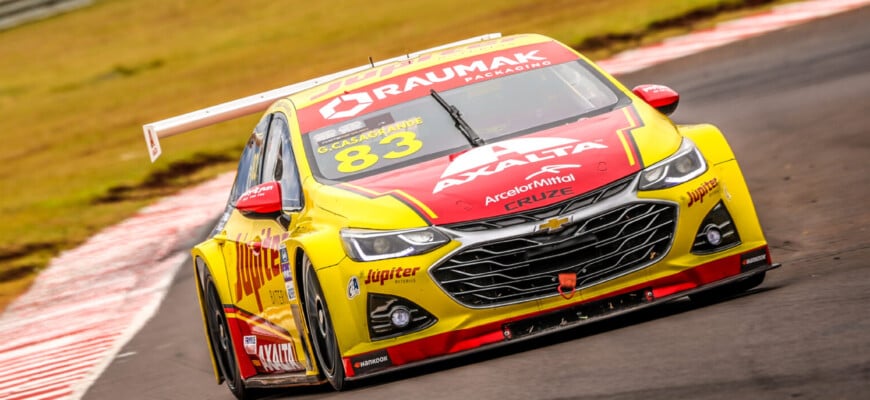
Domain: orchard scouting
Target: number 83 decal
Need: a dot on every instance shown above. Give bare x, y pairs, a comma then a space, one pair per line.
360, 157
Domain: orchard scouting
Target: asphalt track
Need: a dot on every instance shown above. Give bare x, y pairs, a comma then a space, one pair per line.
794, 106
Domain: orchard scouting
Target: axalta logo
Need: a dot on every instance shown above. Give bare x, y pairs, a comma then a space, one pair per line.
492, 159
552, 169
349, 105
279, 357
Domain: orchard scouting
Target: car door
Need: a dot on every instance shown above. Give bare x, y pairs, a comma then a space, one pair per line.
262, 287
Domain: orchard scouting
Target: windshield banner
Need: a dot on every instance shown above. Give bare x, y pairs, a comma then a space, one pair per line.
441, 77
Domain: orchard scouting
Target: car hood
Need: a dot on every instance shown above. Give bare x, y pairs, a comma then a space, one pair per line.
530, 171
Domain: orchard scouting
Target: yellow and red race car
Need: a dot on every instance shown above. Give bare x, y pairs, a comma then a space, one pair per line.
468, 196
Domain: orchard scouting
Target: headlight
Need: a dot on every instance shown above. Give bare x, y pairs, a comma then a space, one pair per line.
369, 245
686, 164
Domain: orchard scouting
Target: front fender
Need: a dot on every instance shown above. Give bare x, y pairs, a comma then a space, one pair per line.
325, 251
208, 258
726, 169
710, 141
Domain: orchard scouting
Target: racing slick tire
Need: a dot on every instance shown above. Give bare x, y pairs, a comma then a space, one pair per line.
728, 290
321, 328
221, 343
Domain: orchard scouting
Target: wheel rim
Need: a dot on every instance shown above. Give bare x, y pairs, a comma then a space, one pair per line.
222, 331
321, 320
220, 339
323, 336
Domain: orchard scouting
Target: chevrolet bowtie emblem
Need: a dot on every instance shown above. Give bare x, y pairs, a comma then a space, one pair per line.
553, 224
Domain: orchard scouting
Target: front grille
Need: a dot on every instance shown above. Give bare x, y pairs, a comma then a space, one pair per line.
527, 267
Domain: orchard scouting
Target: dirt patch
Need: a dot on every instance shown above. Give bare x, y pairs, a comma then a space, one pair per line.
175, 176
117, 72
11, 253
17, 272
19, 265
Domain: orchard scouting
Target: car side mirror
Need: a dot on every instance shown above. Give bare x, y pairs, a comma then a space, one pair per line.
661, 97
263, 199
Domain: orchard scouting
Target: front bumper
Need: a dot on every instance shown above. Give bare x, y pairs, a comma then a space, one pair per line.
664, 265
450, 344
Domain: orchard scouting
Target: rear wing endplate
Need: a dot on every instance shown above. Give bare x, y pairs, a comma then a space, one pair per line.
261, 101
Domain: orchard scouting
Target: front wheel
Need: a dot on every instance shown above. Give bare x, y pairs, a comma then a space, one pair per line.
321, 328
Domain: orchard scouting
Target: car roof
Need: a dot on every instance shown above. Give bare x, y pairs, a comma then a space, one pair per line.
410, 64
305, 93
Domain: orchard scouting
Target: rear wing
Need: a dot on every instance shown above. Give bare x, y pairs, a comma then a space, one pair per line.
260, 102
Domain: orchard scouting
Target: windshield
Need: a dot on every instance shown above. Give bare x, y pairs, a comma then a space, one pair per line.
422, 129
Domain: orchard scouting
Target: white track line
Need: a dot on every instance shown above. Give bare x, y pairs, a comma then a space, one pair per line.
56, 339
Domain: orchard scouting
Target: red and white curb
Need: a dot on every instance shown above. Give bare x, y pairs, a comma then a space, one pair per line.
56, 339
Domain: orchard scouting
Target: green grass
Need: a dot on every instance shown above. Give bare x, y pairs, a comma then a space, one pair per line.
75, 90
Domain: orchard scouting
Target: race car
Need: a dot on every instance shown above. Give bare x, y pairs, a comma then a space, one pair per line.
456, 199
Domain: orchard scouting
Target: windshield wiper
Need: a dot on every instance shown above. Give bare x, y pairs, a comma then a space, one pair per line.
460, 122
